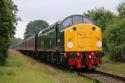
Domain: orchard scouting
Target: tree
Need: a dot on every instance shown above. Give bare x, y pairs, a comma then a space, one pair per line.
115, 38
121, 9
115, 35
34, 27
100, 16
8, 21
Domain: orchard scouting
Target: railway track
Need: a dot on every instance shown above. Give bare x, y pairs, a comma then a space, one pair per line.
103, 77
96, 76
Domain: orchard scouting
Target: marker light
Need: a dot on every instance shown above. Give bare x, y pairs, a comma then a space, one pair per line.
99, 44
70, 44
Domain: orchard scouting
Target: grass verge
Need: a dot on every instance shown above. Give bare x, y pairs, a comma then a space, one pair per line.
112, 67
23, 69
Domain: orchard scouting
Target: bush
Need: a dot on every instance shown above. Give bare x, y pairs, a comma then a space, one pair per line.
3, 57
115, 36
119, 53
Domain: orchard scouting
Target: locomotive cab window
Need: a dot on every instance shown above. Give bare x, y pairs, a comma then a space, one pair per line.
87, 21
77, 19
67, 22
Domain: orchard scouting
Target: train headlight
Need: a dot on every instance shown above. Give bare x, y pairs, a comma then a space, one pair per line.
70, 44
99, 44
90, 56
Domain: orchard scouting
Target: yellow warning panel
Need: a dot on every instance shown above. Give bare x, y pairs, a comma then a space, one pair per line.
83, 37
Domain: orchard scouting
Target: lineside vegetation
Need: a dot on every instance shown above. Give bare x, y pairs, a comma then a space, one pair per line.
8, 21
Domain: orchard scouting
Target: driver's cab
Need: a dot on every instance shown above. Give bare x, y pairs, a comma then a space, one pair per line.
73, 20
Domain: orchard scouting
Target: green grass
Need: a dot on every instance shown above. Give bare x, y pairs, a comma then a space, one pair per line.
112, 67
23, 69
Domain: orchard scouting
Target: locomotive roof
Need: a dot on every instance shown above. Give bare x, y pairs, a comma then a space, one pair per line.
58, 22
47, 28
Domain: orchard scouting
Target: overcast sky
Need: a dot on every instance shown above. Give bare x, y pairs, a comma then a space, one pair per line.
53, 10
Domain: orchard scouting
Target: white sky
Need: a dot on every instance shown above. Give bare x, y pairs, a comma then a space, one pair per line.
53, 10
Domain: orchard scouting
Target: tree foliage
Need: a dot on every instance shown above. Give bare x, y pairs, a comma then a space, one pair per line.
34, 27
115, 38
100, 16
121, 9
8, 21
115, 35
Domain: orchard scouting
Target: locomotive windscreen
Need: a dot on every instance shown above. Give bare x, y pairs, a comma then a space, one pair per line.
75, 19
67, 22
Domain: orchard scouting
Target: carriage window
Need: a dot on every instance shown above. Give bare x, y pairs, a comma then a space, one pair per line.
77, 19
87, 21
67, 22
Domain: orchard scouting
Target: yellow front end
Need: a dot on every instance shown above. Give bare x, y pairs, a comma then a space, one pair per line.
83, 37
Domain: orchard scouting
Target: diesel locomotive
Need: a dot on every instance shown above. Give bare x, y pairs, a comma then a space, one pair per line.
74, 42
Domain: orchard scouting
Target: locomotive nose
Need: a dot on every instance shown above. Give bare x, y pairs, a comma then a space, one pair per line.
83, 37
